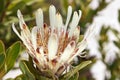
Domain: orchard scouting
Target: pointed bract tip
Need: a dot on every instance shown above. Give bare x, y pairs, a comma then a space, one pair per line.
69, 7
19, 14
39, 10
52, 6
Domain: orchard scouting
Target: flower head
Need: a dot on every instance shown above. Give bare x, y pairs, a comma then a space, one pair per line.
52, 47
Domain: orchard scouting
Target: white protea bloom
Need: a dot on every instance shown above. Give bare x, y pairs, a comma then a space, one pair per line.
53, 47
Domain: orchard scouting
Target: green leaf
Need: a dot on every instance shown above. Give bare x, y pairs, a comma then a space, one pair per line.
68, 75
2, 47
2, 71
2, 60
12, 54
26, 71
2, 54
75, 77
21, 77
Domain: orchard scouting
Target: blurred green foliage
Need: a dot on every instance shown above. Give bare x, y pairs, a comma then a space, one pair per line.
8, 9
8, 57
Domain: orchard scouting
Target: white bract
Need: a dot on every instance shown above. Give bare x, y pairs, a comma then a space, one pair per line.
53, 47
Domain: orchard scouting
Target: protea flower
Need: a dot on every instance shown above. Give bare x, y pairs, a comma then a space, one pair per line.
55, 46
